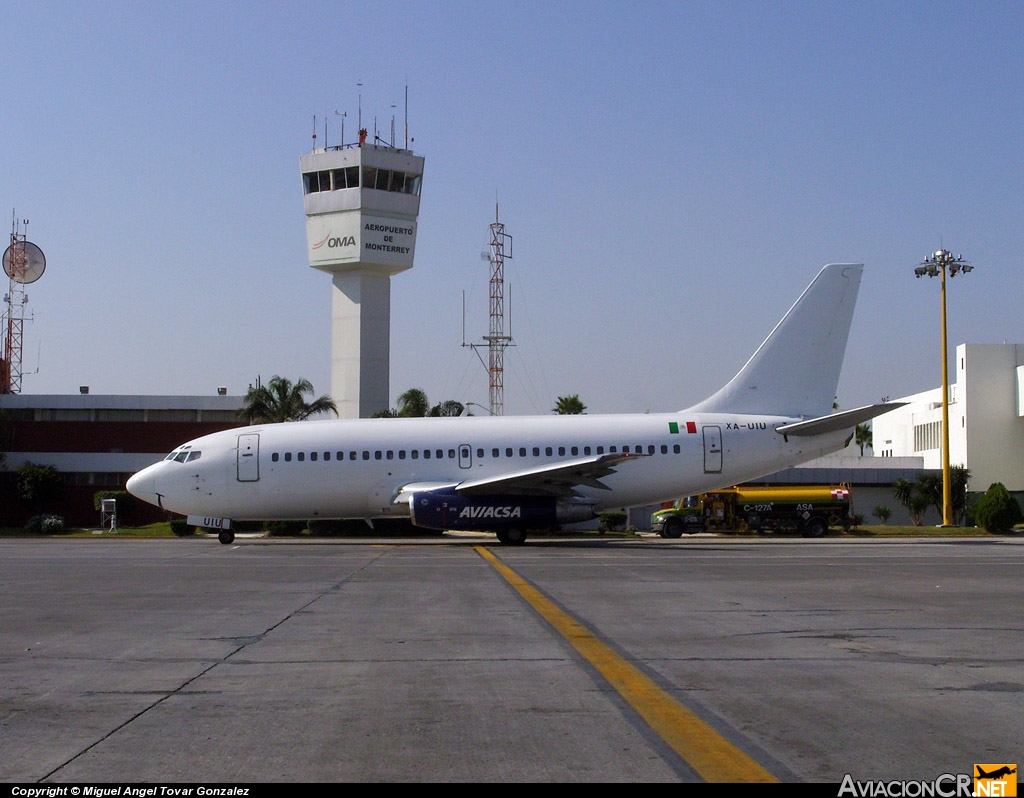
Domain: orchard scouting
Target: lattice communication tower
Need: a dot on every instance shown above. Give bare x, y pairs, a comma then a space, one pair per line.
497, 340
24, 263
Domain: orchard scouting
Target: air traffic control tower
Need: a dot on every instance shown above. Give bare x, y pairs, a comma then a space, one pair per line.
361, 206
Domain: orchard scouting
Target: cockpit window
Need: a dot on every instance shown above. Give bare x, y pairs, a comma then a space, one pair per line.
184, 454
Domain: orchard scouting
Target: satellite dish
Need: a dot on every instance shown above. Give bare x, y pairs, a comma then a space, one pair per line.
29, 271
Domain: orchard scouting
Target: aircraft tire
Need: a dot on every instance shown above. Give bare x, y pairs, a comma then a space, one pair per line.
673, 528
512, 537
226, 536
815, 528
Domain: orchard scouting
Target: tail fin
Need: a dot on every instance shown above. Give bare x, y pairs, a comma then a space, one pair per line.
796, 370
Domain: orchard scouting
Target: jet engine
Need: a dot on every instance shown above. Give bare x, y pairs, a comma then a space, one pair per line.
449, 510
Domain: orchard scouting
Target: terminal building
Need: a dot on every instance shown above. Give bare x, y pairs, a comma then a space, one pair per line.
96, 442
986, 419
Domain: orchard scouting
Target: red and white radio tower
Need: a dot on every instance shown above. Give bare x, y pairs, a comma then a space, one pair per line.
24, 263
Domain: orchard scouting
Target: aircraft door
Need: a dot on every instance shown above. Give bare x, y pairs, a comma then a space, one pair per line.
465, 456
249, 457
712, 450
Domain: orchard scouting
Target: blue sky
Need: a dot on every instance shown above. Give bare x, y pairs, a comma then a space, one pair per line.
673, 175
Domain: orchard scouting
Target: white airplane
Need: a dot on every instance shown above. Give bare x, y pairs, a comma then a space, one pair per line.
512, 474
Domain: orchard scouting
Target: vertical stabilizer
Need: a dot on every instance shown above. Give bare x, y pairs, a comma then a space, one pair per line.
796, 370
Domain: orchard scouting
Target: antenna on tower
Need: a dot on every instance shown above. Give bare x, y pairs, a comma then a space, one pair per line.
24, 263
359, 121
497, 339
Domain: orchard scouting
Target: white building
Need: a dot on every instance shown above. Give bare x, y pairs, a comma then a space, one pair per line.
986, 419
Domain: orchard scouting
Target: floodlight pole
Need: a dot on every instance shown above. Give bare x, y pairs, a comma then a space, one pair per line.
947, 494
936, 265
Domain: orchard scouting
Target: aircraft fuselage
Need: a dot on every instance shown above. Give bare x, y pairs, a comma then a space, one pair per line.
358, 469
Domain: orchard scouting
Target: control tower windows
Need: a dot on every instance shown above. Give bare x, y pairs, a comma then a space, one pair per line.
390, 180
380, 179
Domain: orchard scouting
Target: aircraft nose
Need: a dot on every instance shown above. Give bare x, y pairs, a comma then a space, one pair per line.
143, 486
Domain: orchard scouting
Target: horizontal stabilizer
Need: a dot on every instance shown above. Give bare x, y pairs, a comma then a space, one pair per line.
837, 421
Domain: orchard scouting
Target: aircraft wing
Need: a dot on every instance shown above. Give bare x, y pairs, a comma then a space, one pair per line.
404, 495
837, 421
553, 479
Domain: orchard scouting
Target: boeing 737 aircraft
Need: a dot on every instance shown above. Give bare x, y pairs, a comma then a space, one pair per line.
511, 474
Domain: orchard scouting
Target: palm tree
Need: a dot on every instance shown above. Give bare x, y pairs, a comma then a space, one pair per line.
959, 477
449, 407
413, 404
569, 406
863, 437
282, 400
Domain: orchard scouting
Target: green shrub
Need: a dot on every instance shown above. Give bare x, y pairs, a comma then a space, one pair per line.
331, 528
45, 525
182, 528
127, 505
279, 529
997, 510
612, 521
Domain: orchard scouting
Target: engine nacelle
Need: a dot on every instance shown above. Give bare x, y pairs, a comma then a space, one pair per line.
449, 510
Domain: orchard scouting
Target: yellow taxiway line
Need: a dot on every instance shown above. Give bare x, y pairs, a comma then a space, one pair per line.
713, 757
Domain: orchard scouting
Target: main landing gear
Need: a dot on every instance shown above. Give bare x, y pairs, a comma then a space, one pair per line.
512, 537
226, 536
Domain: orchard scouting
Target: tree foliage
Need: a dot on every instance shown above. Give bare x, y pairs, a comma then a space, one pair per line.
959, 477
5, 438
413, 403
449, 407
997, 510
863, 437
39, 483
282, 400
569, 406
926, 492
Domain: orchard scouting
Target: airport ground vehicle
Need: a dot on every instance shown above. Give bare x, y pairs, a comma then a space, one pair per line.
808, 509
